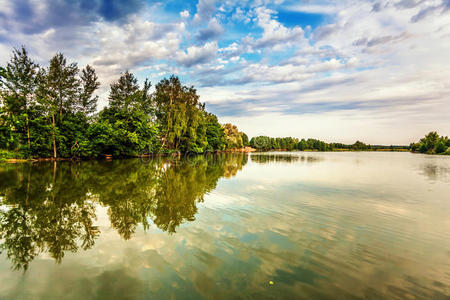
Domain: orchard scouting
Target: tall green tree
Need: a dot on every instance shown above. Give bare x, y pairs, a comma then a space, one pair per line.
87, 102
58, 92
127, 122
233, 137
215, 133
18, 85
179, 114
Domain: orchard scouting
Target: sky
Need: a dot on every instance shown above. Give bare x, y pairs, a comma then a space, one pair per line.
340, 71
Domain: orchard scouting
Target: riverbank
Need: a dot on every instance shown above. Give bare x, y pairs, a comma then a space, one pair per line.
179, 154
8, 157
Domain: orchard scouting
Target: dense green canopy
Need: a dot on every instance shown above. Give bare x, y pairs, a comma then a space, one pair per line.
432, 143
51, 112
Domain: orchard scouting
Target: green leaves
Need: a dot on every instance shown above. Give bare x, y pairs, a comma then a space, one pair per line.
266, 143
89, 84
50, 112
432, 143
233, 138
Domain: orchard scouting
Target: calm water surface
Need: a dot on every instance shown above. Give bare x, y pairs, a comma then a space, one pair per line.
319, 225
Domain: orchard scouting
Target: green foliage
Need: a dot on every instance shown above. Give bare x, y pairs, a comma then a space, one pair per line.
180, 115
358, 146
265, 143
215, 133
233, 138
7, 154
87, 103
313, 144
432, 143
50, 112
245, 140
183, 123
18, 84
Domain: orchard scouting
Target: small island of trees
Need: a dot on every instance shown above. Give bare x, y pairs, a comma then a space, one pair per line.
432, 143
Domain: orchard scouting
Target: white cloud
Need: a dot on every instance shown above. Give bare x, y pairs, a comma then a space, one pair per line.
275, 34
197, 54
213, 31
184, 14
205, 10
241, 16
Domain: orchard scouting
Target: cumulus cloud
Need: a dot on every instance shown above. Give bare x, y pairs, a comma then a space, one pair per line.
195, 55
122, 47
213, 31
37, 16
241, 16
275, 33
205, 10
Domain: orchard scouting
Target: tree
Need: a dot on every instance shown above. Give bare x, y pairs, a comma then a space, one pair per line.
360, 146
127, 96
214, 133
302, 146
87, 103
244, 139
179, 114
233, 137
58, 92
126, 126
432, 143
18, 84
440, 147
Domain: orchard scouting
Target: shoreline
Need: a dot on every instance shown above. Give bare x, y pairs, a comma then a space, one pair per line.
179, 154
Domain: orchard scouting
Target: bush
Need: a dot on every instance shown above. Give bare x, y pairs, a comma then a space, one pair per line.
440, 147
7, 154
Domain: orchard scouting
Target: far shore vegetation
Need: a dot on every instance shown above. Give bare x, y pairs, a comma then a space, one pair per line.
51, 112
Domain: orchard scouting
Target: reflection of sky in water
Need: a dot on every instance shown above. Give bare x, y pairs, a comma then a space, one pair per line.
345, 225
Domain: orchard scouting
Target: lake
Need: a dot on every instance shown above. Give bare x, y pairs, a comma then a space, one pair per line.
303, 225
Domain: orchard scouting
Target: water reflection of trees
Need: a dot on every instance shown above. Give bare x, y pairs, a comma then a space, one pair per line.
285, 158
51, 207
434, 171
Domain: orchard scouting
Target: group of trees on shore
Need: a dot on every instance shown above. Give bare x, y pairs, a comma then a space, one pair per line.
51, 112
432, 143
265, 143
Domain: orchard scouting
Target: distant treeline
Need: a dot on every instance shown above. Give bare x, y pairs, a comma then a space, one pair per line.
265, 143
51, 112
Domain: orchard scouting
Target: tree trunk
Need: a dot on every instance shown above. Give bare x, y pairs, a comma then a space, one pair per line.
53, 136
